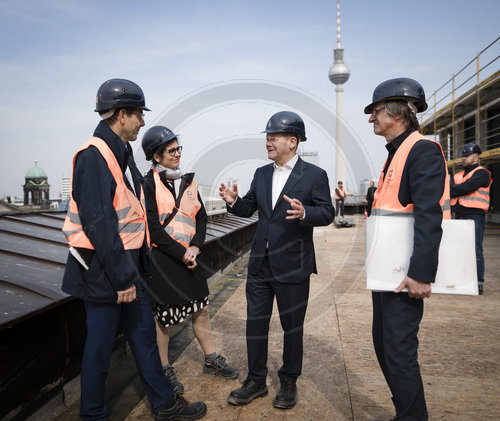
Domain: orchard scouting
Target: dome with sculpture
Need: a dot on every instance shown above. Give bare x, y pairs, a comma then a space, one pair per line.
36, 187
36, 173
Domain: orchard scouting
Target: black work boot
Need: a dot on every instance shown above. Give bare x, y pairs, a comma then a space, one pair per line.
179, 409
172, 378
219, 367
247, 393
286, 398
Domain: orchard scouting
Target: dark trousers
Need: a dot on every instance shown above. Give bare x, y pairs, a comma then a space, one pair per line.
292, 305
138, 325
396, 319
339, 207
369, 207
479, 231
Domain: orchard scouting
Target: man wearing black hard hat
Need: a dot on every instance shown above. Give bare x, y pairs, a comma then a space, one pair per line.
292, 197
470, 192
413, 184
106, 228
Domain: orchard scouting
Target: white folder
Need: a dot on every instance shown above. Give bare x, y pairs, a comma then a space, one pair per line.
389, 246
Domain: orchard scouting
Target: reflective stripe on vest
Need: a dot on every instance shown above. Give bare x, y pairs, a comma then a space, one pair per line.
386, 200
132, 222
479, 199
182, 227
342, 192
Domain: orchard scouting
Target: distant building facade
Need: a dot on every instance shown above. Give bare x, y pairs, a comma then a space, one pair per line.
65, 188
312, 157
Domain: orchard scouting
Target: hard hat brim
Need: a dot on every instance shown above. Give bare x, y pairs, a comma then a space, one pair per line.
302, 138
421, 107
128, 106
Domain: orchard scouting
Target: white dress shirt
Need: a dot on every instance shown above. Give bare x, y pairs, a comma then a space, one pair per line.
280, 176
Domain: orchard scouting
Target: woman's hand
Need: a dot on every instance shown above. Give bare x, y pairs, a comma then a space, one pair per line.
189, 257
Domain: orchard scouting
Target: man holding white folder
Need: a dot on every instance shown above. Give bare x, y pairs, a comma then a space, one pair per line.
413, 183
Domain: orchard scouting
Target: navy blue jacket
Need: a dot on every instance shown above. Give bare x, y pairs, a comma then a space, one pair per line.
422, 183
481, 178
111, 267
290, 242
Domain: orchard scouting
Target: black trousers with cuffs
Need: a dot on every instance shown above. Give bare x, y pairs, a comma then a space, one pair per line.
292, 304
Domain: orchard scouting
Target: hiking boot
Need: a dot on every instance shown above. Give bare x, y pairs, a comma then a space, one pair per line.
181, 409
219, 367
172, 378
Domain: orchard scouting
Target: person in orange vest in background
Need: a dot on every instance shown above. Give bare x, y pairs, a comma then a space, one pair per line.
339, 199
413, 184
106, 228
177, 222
470, 193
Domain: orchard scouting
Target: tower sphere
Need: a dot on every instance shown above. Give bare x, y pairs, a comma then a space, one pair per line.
339, 73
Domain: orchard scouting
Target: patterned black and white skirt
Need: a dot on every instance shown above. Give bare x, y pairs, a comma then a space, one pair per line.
173, 314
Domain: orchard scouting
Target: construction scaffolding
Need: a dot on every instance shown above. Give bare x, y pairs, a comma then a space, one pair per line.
466, 108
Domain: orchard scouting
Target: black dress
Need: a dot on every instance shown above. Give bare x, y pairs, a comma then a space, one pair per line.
176, 290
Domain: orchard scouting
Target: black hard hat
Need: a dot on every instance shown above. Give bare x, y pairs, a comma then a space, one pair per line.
470, 148
286, 122
154, 138
118, 93
340, 182
399, 88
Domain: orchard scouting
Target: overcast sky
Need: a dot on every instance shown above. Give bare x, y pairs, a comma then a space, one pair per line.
215, 71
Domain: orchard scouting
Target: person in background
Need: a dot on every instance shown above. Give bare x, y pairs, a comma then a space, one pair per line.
339, 199
470, 193
370, 194
292, 197
108, 262
177, 223
413, 184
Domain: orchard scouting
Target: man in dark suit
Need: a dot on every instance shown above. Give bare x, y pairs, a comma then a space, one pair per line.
292, 196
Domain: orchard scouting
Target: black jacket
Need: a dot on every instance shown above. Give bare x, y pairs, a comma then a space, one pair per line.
370, 193
422, 183
290, 242
111, 267
172, 282
481, 178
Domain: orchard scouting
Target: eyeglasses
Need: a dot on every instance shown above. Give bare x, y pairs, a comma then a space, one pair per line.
377, 110
173, 151
139, 114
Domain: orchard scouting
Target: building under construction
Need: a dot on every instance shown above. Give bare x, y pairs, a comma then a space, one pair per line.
465, 109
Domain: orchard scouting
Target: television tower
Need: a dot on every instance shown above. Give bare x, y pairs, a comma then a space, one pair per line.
338, 75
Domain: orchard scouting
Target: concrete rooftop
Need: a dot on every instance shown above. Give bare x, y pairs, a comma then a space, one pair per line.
341, 379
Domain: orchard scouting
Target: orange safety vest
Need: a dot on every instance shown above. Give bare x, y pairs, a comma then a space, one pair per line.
132, 220
479, 199
342, 192
182, 227
386, 201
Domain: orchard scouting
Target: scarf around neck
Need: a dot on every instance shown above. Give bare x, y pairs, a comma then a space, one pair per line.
169, 173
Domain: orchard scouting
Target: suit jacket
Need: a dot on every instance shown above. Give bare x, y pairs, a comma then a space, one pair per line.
289, 242
370, 194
